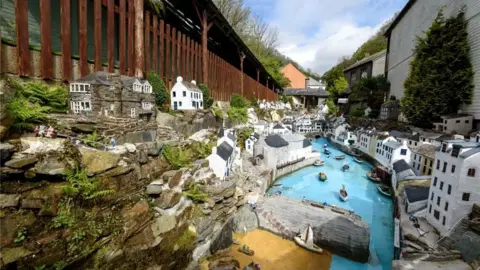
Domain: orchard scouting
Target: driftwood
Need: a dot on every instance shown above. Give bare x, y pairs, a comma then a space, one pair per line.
434, 255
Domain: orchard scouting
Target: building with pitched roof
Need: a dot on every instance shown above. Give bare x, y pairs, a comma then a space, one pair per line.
390, 150
186, 95
422, 159
370, 66
250, 141
455, 123
416, 198
225, 155
456, 183
109, 94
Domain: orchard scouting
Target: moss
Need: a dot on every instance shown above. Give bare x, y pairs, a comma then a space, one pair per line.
186, 241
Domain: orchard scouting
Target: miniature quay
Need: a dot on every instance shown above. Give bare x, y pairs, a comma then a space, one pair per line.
224, 135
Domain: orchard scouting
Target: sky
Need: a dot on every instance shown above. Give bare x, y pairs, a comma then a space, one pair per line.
317, 33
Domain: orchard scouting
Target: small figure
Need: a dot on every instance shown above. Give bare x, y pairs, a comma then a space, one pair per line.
112, 142
35, 131
50, 132
41, 131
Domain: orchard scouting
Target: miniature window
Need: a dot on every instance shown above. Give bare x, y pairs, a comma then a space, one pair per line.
147, 105
133, 114
403, 152
79, 87
443, 221
191, 95
446, 206
201, 103
466, 197
179, 104
436, 214
147, 89
137, 87
449, 190
184, 93
174, 94
78, 106
471, 172
193, 104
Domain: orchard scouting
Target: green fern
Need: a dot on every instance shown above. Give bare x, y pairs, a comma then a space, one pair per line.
87, 187
195, 194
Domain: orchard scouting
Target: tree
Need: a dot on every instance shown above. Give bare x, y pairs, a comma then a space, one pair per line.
371, 89
441, 74
332, 108
158, 88
238, 101
207, 100
338, 87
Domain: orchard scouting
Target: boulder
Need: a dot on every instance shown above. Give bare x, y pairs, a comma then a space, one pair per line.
53, 163
6, 151
155, 187
131, 148
98, 161
175, 180
21, 163
163, 224
223, 238
39, 145
245, 220
154, 148
9, 226
469, 246
165, 119
10, 255
168, 199
84, 128
135, 217
9, 200
168, 174
32, 203
201, 251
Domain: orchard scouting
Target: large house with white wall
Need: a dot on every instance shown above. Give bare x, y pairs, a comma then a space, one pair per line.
414, 20
225, 155
456, 184
455, 123
390, 150
186, 95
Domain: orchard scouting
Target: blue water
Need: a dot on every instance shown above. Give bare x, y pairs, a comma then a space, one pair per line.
363, 199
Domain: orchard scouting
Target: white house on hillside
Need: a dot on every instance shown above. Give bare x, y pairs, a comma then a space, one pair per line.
279, 129
456, 183
261, 127
456, 123
186, 95
390, 150
225, 156
250, 141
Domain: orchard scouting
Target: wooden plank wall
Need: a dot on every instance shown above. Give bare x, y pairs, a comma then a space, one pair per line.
167, 51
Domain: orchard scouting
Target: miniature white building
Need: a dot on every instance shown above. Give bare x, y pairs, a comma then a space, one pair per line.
225, 155
390, 150
279, 129
475, 137
186, 95
250, 141
456, 123
455, 185
261, 127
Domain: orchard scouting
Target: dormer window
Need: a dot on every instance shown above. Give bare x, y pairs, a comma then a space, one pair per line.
147, 88
137, 87
455, 151
79, 87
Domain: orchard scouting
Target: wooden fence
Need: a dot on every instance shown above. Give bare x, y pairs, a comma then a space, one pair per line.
166, 50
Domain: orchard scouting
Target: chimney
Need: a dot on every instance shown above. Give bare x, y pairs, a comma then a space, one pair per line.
194, 82
179, 79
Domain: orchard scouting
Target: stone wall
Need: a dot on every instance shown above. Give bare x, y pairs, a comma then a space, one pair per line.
294, 167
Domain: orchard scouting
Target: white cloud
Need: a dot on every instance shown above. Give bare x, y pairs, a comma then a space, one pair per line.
317, 33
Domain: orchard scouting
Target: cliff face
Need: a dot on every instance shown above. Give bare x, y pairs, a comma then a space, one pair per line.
66, 205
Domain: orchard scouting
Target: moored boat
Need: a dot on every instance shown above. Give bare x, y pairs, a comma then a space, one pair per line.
373, 177
343, 194
322, 176
340, 157
277, 185
319, 162
345, 166
305, 240
358, 160
384, 190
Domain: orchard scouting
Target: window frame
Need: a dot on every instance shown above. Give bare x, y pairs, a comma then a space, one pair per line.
465, 196
469, 174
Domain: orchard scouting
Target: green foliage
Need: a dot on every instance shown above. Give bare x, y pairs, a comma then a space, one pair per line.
372, 90
238, 101
359, 112
242, 136
65, 217
186, 241
74, 242
172, 112
158, 88
441, 74
157, 6
287, 99
60, 265
40, 267
195, 194
32, 102
218, 113
254, 102
207, 100
237, 115
21, 233
93, 140
176, 157
274, 68
87, 187
339, 86
332, 108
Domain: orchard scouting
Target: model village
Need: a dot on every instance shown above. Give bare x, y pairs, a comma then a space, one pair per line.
185, 151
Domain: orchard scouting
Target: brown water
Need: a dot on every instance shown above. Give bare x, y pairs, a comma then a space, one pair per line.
273, 252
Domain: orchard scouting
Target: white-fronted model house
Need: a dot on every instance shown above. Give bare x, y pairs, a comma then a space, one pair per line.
186, 95
455, 186
225, 155
250, 141
390, 150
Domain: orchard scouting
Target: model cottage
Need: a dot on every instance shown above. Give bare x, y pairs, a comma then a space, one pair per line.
186, 95
111, 94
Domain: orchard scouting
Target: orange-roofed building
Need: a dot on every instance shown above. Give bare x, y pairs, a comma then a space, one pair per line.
296, 77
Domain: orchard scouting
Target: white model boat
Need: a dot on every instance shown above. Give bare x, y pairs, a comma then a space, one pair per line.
343, 194
318, 163
305, 240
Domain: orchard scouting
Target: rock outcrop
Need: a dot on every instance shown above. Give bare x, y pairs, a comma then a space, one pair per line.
188, 122
245, 220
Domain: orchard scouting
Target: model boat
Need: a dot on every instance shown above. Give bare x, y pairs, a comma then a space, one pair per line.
340, 157
305, 240
358, 160
345, 166
318, 163
384, 189
322, 176
343, 194
277, 185
246, 250
373, 177
327, 152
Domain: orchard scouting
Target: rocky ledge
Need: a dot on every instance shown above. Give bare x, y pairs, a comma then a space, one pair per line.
341, 233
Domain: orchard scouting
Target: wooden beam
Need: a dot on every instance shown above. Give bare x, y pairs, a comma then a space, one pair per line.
242, 57
147, 42
162, 45
23, 50
131, 38
155, 46
46, 39
110, 35
82, 37
178, 69
97, 34
121, 37
66, 40
168, 55
139, 41
204, 47
184, 56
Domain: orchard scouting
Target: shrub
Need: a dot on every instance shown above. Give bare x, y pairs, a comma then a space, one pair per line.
238, 101
359, 112
254, 102
26, 115
87, 187
176, 156
207, 100
238, 115
218, 113
195, 194
159, 89
374, 113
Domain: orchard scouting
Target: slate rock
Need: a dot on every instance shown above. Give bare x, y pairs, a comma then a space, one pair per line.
168, 199
21, 162
98, 161
142, 157
245, 220
175, 180
155, 187
84, 128
9, 200
131, 148
223, 239
469, 246
6, 151
32, 203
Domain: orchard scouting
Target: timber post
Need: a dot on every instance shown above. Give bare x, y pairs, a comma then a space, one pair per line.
138, 6
242, 57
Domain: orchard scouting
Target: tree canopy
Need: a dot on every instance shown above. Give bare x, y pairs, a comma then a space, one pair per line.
441, 74
372, 89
